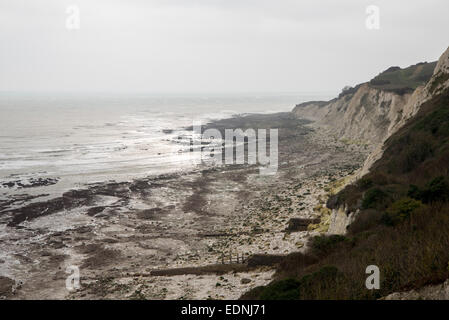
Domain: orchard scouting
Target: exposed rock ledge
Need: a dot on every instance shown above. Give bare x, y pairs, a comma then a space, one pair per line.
340, 220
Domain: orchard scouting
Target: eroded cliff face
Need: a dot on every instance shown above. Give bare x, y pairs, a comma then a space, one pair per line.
370, 115
366, 115
340, 219
438, 82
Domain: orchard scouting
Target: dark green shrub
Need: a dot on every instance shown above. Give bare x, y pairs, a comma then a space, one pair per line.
365, 183
373, 198
322, 245
296, 261
400, 210
414, 192
436, 190
325, 280
287, 289
365, 220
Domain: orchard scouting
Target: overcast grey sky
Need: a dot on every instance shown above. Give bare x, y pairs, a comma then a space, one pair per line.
159, 46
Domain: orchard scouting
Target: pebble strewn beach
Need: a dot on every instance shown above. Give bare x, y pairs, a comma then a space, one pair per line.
165, 237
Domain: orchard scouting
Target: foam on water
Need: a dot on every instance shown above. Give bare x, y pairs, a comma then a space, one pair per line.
87, 139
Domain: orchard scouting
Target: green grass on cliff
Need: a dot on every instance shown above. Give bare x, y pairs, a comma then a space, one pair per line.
405, 80
402, 227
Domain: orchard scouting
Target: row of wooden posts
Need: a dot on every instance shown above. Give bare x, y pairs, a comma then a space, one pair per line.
229, 259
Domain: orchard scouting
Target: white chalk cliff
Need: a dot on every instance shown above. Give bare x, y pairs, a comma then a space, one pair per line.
371, 115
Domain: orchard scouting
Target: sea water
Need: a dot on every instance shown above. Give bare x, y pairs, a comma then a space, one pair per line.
79, 139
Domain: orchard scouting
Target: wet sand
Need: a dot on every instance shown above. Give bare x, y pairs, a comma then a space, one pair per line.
166, 237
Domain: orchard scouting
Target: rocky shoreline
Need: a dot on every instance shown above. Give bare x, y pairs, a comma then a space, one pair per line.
120, 233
